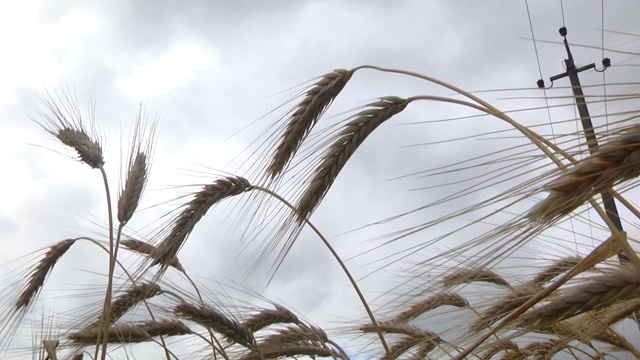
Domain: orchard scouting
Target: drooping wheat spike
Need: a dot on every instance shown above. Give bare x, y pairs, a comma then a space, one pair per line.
133, 187
474, 275
145, 248
193, 211
433, 302
306, 115
39, 274
613, 162
267, 317
218, 322
131, 297
346, 143
165, 328
609, 336
595, 292
555, 269
64, 121
117, 334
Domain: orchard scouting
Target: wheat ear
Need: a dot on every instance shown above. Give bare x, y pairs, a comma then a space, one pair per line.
133, 187
268, 317
213, 319
556, 268
193, 211
165, 328
431, 303
474, 275
498, 346
596, 292
115, 335
39, 273
71, 132
131, 297
347, 142
293, 351
306, 115
615, 161
145, 248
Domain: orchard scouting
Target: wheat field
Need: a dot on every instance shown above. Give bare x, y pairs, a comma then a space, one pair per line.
424, 222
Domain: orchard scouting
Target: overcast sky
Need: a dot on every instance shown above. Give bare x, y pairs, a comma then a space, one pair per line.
207, 70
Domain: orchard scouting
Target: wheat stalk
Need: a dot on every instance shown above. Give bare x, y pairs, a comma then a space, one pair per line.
431, 303
306, 115
193, 211
39, 273
615, 161
347, 142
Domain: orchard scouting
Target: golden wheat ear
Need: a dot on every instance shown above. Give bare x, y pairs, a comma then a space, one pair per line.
39, 273
305, 115
347, 142
615, 161
193, 211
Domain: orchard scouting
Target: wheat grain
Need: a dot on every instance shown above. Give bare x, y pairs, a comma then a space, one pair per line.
596, 292
40, 272
218, 322
615, 161
306, 115
134, 185
431, 303
194, 210
347, 142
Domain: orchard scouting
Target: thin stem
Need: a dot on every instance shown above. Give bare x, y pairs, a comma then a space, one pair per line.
106, 314
339, 260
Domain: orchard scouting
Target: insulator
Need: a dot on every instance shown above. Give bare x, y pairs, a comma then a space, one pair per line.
606, 62
563, 31
540, 84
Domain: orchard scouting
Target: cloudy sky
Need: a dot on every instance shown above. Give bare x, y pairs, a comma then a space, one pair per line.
211, 72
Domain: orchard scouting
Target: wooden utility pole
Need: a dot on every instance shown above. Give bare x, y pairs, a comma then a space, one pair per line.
585, 118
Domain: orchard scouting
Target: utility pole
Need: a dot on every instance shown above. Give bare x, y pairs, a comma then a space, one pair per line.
592, 142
